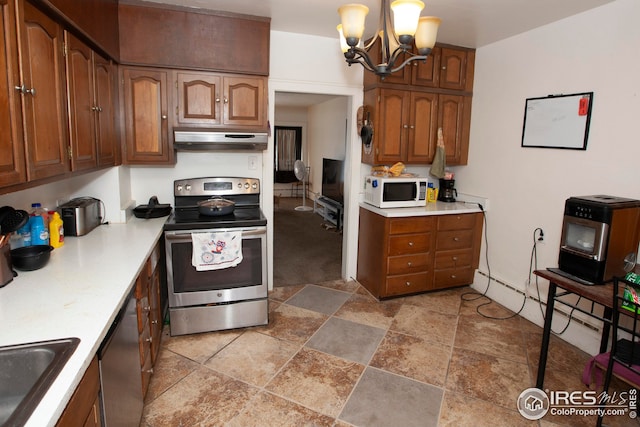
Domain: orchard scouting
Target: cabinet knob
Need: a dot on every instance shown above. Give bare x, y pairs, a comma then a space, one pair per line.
226, 100
456, 239
164, 117
409, 264
147, 308
405, 126
154, 322
150, 339
410, 243
444, 67
412, 127
455, 258
408, 283
23, 90
453, 276
217, 99
148, 371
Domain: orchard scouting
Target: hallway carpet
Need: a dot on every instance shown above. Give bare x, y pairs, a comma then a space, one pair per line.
304, 250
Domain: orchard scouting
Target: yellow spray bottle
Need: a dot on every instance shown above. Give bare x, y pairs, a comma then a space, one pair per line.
56, 230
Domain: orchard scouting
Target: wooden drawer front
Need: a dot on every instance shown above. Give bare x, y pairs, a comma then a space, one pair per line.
144, 342
409, 244
453, 259
146, 371
459, 239
411, 225
142, 312
456, 222
142, 283
407, 284
407, 264
453, 277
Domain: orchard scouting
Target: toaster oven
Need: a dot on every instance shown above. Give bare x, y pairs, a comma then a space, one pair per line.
80, 216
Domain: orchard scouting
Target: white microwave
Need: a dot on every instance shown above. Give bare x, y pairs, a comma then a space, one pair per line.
400, 192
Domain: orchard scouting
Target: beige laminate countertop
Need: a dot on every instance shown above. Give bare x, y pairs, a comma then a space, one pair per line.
77, 294
437, 208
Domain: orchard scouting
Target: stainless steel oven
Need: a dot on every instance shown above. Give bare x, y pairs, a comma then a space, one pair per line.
225, 298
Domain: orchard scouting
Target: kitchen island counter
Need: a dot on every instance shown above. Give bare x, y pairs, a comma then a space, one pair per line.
77, 294
437, 208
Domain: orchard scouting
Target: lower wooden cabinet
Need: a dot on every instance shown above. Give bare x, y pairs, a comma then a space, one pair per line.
401, 256
83, 408
149, 313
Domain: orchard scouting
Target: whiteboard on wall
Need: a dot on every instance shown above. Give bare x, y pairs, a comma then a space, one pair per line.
557, 121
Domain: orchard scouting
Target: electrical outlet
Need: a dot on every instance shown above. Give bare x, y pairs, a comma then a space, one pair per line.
540, 235
253, 162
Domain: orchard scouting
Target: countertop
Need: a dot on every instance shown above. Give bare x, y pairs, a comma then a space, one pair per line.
437, 208
77, 294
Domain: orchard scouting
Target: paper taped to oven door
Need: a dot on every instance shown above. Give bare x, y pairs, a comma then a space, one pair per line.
216, 250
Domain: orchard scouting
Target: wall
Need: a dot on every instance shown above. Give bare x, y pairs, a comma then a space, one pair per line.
324, 72
327, 137
528, 186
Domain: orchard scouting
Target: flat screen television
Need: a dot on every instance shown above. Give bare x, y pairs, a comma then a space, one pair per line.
333, 180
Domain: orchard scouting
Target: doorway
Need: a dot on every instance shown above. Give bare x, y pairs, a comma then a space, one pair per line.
309, 128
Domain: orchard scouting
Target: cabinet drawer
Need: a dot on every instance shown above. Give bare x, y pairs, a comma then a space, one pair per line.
411, 225
146, 371
452, 277
409, 244
144, 342
453, 259
407, 284
142, 312
456, 222
142, 282
407, 264
458, 239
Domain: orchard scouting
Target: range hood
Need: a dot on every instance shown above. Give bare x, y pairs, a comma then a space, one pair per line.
200, 139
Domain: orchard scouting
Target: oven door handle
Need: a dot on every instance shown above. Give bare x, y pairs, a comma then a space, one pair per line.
578, 253
245, 232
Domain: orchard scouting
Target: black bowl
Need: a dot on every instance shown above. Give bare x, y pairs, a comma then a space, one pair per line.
31, 257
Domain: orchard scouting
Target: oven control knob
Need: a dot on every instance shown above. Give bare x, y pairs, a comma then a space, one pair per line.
219, 294
254, 185
187, 187
246, 185
179, 188
239, 185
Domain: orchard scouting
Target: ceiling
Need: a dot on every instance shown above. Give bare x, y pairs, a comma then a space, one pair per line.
469, 23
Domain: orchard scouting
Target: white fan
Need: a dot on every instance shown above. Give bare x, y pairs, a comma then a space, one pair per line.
301, 172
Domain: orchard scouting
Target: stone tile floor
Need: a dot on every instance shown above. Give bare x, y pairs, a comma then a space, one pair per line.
334, 356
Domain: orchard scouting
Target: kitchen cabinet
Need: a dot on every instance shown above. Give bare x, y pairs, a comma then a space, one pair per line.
12, 154
146, 127
42, 92
407, 108
395, 255
149, 314
406, 255
83, 408
457, 249
189, 38
90, 87
213, 99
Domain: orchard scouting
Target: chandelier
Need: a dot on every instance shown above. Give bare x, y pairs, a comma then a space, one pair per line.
396, 38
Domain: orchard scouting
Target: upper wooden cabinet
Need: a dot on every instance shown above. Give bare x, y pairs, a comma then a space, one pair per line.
42, 93
408, 107
173, 37
210, 100
146, 124
90, 87
12, 160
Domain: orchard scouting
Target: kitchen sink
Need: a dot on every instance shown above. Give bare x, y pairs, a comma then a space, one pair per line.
26, 373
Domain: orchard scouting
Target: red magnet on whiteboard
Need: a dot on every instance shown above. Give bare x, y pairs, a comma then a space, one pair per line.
583, 106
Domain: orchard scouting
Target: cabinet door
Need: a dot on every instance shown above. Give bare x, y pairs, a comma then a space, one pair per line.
423, 127
453, 117
145, 115
245, 101
453, 68
44, 103
198, 98
426, 73
105, 102
12, 161
82, 115
390, 132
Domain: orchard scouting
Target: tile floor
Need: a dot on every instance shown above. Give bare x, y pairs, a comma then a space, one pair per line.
334, 356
